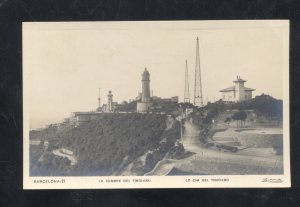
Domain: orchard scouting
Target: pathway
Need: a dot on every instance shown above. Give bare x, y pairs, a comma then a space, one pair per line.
61, 152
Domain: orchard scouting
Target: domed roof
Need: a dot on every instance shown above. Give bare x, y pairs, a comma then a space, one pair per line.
146, 72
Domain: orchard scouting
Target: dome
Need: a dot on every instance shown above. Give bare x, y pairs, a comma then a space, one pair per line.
146, 72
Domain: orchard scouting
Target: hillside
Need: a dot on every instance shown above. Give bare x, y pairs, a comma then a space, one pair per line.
263, 106
47, 133
112, 142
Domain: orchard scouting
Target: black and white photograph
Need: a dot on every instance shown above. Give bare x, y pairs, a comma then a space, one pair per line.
156, 104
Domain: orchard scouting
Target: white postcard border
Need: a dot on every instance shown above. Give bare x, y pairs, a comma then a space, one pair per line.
190, 181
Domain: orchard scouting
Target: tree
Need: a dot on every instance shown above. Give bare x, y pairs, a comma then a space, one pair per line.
185, 106
227, 120
240, 117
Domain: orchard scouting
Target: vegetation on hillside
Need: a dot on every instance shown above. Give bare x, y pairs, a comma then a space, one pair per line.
102, 144
108, 144
50, 165
111, 143
264, 105
167, 146
166, 107
43, 162
45, 134
126, 107
159, 106
240, 117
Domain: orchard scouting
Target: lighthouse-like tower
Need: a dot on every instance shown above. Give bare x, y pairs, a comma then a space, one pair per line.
110, 102
146, 86
146, 102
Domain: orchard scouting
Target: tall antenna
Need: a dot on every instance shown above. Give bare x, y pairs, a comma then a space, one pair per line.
186, 85
198, 99
99, 99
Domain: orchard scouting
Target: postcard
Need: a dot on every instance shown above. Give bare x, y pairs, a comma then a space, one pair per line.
156, 104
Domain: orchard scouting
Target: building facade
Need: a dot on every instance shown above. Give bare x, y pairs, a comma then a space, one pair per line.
78, 118
237, 93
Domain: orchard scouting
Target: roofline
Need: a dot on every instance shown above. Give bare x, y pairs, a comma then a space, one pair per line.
224, 90
240, 80
87, 112
227, 90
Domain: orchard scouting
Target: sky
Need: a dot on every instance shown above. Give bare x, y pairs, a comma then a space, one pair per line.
65, 64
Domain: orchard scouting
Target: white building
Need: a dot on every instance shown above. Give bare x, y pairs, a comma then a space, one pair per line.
238, 92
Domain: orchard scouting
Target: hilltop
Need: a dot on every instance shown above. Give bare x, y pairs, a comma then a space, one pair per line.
263, 107
133, 143
111, 145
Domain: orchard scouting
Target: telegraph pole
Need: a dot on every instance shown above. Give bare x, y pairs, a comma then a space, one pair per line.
99, 100
186, 84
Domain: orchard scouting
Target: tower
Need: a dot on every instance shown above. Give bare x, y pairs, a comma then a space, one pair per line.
99, 103
239, 89
110, 102
186, 85
146, 86
146, 101
198, 99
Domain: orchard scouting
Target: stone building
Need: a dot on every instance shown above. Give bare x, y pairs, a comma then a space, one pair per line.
238, 92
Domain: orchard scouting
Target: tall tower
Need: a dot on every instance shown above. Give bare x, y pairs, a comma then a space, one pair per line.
146, 86
146, 102
99, 109
110, 102
186, 84
198, 99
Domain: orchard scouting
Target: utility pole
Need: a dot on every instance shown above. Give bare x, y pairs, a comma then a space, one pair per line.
186, 84
99, 100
